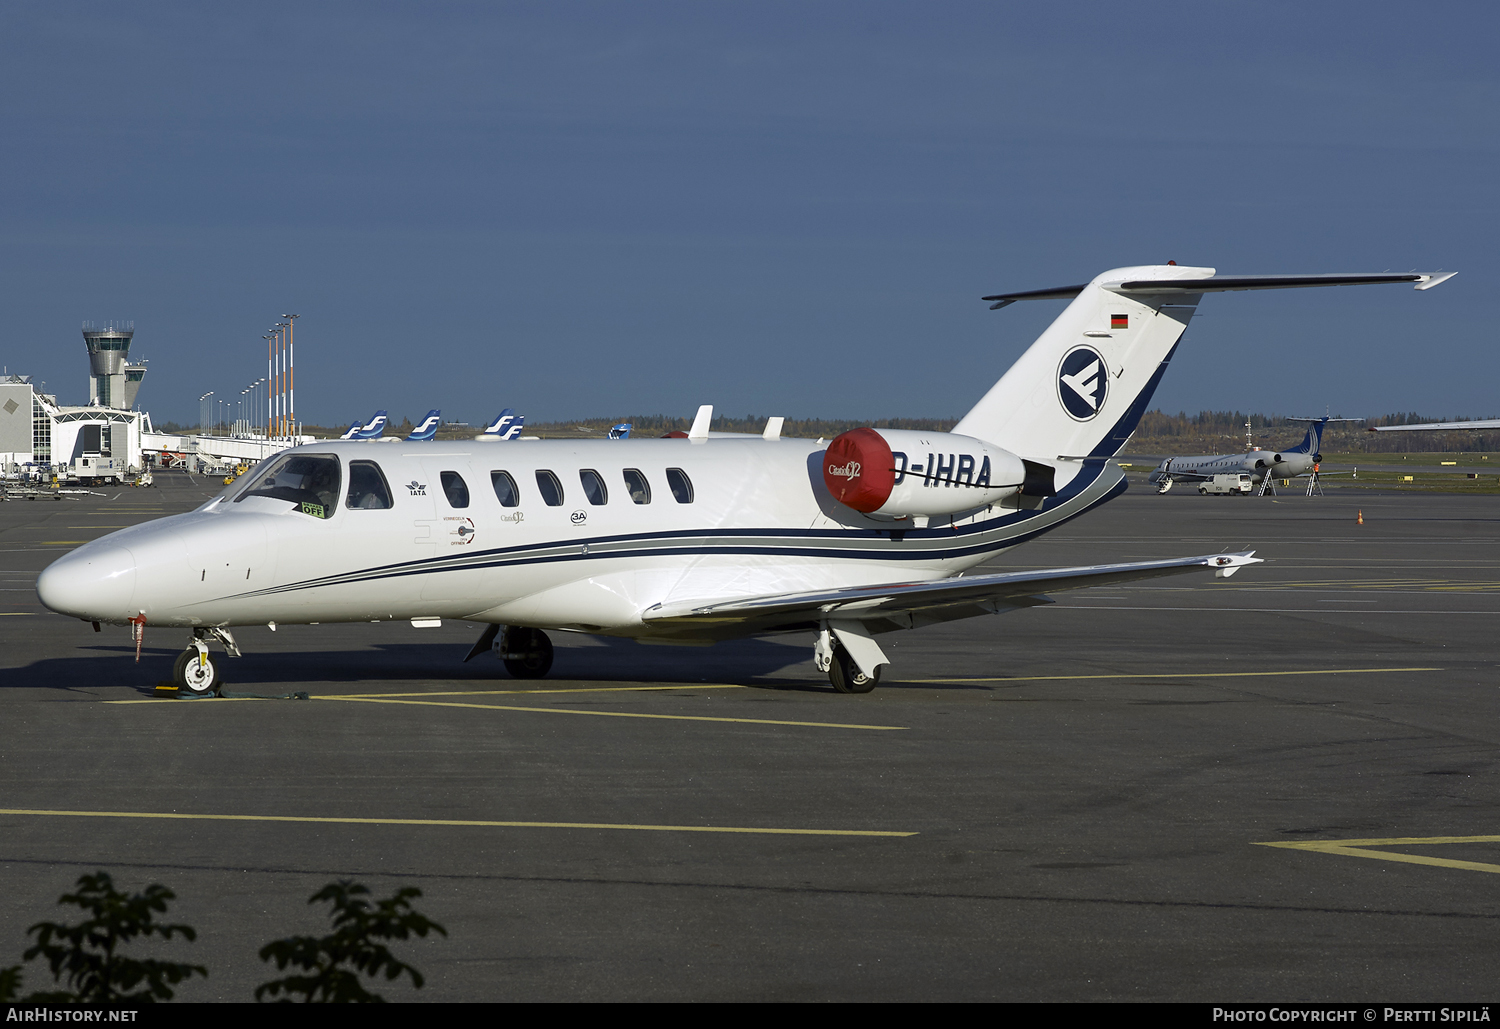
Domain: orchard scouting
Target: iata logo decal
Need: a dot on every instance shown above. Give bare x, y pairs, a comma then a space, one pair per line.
1082, 382
845, 471
416, 488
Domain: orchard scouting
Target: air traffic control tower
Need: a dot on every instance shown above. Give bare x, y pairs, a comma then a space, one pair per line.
113, 381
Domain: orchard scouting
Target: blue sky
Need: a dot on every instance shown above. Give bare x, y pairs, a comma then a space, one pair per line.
597, 208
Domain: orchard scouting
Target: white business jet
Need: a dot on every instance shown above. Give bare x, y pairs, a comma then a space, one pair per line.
686, 540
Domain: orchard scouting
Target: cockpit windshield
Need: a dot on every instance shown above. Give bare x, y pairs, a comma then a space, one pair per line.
309, 481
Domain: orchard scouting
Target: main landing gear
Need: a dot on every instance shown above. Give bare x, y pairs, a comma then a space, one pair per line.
844, 672
527, 653
198, 672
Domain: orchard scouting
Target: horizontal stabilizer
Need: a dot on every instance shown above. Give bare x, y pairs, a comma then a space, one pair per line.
1224, 284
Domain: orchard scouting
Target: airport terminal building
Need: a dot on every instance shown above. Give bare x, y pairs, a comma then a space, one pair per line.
37, 434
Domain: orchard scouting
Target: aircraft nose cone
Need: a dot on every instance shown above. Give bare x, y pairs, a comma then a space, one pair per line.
93, 583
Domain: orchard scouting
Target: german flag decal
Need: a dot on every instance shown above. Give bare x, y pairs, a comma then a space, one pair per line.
1119, 321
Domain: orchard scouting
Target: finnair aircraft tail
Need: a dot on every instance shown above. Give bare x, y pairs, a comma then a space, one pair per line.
373, 428
507, 425
427, 428
349, 433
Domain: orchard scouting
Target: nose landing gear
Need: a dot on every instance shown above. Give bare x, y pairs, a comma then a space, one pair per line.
196, 671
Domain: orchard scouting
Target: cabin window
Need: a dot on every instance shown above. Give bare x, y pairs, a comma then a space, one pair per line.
455, 489
680, 485
637, 486
551, 488
505, 489
368, 490
593, 487
309, 481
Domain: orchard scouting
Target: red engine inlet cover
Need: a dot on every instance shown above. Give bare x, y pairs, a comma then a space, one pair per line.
859, 470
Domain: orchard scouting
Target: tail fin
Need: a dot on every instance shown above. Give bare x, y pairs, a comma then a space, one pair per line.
373, 429
1081, 388
427, 428
507, 425
1312, 443
349, 432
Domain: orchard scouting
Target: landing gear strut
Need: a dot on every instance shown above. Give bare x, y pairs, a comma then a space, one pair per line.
527, 653
831, 656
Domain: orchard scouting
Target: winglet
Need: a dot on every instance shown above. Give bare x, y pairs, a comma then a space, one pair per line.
773, 428
1434, 279
699, 431
1225, 565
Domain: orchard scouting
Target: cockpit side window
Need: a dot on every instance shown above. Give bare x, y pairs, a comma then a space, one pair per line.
637, 486
593, 487
455, 489
505, 489
551, 488
368, 490
681, 485
309, 481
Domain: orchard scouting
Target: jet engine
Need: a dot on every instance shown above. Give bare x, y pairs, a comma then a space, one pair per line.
901, 473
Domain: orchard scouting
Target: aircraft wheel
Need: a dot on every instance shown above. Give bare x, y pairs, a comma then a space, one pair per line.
199, 678
527, 653
846, 676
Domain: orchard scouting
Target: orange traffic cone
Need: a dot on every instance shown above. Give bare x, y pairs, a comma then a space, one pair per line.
1361, 520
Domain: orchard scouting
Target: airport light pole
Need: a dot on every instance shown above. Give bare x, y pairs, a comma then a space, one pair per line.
291, 379
203, 411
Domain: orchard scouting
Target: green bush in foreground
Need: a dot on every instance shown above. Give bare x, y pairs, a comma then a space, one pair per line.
86, 955
332, 964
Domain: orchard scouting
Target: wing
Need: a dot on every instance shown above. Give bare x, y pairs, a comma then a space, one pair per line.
1485, 423
905, 605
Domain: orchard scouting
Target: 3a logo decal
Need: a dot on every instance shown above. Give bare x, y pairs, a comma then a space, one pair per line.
1082, 383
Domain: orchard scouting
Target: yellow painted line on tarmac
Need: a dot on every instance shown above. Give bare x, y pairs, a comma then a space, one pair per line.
16, 614
96, 526
1184, 675
1359, 848
60, 543
451, 822
609, 714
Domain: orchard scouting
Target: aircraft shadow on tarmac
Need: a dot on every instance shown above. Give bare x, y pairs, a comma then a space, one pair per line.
605, 660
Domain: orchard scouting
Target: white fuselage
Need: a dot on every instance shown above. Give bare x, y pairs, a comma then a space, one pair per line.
760, 522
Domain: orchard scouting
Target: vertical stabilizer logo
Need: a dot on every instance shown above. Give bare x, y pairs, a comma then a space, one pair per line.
1082, 382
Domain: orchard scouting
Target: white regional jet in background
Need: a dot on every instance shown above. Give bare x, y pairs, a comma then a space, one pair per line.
679, 540
1302, 459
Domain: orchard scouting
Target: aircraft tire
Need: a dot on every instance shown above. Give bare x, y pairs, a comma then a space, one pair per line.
846, 676
201, 681
527, 653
